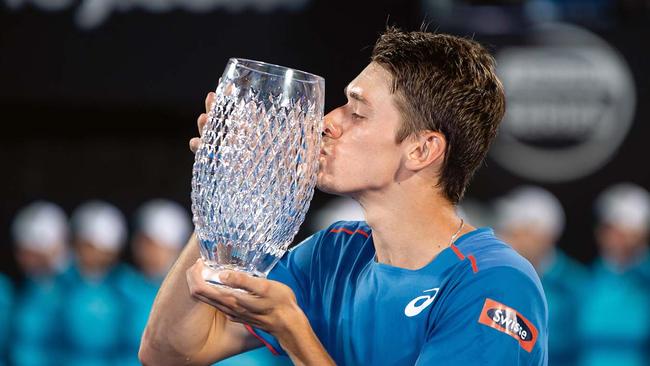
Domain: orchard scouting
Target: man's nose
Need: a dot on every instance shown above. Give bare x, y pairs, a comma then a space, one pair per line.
331, 128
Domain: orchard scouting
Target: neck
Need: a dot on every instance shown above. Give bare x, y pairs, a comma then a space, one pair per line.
409, 233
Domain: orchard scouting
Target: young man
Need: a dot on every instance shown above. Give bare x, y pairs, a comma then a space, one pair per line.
413, 284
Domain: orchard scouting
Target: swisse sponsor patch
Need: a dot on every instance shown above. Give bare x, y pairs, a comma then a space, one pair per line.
507, 320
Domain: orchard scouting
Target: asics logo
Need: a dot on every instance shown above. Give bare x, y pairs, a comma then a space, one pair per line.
420, 303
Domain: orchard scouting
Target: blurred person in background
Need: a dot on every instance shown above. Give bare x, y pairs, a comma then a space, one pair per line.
40, 233
615, 319
531, 219
162, 227
93, 316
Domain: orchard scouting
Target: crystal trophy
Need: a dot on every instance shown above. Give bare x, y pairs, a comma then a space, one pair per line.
255, 171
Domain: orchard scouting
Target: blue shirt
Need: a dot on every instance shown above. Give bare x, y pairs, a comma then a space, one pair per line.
478, 302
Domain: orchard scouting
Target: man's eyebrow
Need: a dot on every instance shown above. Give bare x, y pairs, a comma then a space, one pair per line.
356, 96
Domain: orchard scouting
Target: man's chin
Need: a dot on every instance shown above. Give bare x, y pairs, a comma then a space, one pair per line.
330, 188
324, 188
326, 184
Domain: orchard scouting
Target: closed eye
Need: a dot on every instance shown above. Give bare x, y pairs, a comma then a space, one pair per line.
357, 116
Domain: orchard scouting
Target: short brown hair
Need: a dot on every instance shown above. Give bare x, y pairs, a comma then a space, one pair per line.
446, 84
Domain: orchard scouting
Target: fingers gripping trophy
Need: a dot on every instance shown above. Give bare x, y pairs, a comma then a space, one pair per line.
255, 171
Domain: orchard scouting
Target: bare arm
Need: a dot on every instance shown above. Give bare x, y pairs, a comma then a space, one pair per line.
182, 330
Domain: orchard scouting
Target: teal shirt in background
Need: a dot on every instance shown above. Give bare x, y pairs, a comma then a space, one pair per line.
257, 357
615, 317
35, 325
6, 302
91, 319
137, 292
564, 281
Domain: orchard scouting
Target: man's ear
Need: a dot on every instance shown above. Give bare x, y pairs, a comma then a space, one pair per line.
425, 149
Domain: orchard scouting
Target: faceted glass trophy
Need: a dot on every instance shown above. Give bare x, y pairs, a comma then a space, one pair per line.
255, 172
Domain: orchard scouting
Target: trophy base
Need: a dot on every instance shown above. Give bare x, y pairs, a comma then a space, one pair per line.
211, 274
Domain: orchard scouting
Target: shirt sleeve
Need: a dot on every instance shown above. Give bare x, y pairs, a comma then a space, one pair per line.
497, 316
294, 270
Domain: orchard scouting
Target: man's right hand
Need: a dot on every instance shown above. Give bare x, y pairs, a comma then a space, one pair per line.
195, 142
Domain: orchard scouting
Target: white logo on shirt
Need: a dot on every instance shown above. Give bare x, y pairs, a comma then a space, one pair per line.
412, 309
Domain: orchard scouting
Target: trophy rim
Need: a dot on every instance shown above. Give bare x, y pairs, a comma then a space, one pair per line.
298, 75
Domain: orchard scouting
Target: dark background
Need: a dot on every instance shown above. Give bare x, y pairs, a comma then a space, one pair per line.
107, 112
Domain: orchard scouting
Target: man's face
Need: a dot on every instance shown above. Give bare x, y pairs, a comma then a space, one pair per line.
94, 260
620, 245
359, 151
39, 262
154, 259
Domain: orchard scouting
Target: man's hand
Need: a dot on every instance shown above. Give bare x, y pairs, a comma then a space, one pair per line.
268, 305
264, 304
201, 121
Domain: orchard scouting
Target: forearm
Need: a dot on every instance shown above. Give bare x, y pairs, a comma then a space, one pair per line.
179, 326
302, 345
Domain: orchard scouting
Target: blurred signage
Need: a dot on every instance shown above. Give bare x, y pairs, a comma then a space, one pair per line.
93, 13
570, 103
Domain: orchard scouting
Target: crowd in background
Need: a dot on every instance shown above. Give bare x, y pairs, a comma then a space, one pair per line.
598, 314
79, 304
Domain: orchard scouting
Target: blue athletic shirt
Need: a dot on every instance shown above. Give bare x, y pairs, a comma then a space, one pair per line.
477, 303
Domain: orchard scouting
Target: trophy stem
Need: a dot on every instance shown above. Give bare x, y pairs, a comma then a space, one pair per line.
211, 272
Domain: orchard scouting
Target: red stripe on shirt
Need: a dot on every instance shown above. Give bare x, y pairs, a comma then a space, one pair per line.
267, 344
472, 259
459, 254
362, 233
350, 232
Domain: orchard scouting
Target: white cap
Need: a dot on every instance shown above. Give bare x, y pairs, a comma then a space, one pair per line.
530, 205
40, 226
626, 205
101, 224
165, 222
337, 209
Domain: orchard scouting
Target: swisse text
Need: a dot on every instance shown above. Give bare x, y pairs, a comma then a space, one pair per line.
510, 322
